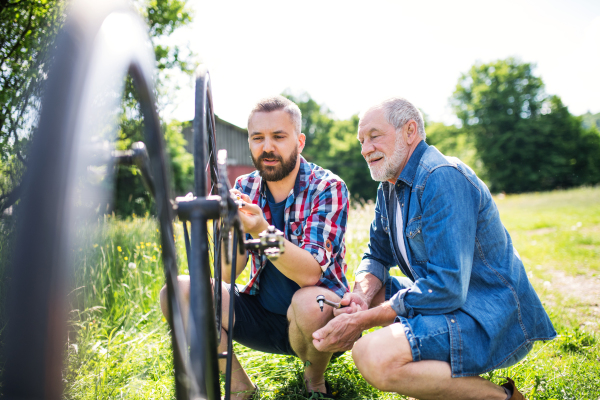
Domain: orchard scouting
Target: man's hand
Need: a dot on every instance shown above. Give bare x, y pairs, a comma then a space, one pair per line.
252, 217
354, 302
338, 335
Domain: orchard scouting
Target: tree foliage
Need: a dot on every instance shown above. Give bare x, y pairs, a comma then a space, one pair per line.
590, 120
27, 29
27, 32
453, 141
526, 139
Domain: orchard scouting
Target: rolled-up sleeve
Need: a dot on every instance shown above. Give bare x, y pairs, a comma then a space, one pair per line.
325, 227
450, 204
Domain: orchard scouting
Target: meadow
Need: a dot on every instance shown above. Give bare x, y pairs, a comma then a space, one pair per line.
119, 346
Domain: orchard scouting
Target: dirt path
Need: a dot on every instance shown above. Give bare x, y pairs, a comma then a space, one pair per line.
584, 290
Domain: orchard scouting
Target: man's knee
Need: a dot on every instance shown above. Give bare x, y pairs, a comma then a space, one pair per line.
380, 357
183, 281
305, 312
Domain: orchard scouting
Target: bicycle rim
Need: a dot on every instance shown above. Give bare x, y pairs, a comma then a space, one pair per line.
205, 303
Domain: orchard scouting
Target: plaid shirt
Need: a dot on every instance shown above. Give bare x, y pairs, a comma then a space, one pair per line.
316, 213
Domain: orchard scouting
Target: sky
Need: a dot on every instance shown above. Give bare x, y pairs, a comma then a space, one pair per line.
349, 55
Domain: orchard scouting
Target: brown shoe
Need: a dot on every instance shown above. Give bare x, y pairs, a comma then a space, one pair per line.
510, 385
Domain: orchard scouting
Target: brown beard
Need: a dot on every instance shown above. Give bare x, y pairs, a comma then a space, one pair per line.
275, 173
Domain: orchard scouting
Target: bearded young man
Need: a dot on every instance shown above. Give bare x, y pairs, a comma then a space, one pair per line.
276, 312
466, 306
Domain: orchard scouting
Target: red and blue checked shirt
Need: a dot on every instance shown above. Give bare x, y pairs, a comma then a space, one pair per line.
316, 214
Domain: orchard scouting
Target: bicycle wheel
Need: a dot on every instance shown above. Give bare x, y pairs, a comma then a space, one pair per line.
204, 262
206, 174
99, 45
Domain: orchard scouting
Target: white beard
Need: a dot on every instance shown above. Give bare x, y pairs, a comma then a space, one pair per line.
387, 168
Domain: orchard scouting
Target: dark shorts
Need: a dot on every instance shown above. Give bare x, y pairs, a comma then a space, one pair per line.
428, 335
259, 329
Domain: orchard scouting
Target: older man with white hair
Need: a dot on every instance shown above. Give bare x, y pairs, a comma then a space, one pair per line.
465, 306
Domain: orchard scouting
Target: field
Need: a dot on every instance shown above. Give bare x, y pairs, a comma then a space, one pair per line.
120, 344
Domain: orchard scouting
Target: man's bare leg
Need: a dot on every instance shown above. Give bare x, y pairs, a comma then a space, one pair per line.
241, 385
305, 317
384, 359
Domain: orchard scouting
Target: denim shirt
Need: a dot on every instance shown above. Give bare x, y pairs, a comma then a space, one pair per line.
461, 260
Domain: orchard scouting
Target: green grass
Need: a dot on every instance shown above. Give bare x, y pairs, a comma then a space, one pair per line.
120, 345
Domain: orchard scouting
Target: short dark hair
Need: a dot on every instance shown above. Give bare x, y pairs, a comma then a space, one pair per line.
276, 103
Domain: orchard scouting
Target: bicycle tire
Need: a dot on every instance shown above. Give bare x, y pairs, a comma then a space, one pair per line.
91, 50
206, 173
205, 302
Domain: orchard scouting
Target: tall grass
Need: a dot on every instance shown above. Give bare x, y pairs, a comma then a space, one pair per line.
120, 345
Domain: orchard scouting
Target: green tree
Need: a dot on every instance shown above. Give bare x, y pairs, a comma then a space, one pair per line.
163, 17
526, 139
453, 141
317, 121
27, 32
591, 120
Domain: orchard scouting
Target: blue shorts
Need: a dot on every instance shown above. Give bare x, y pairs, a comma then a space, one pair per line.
260, 329
428, 335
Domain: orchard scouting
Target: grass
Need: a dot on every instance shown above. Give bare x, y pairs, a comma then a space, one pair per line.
119, 346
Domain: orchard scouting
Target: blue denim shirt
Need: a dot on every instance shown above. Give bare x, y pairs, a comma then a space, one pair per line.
461, 259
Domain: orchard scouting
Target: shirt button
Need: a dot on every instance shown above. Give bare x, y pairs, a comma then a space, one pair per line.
430, 291
452, 320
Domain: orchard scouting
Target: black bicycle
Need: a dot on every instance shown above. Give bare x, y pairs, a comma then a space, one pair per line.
67, 179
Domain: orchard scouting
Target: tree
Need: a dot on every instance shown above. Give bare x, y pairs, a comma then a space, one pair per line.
27, 29
453, 141
591, 120
163, 18
526, 139
27, 32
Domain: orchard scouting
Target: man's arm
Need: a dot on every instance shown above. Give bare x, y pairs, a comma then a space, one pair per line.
341, 332
373, 271
365, 289
450, 204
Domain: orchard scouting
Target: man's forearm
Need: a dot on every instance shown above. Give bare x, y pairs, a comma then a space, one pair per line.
298, 265
381, 315
367, 285
241, 261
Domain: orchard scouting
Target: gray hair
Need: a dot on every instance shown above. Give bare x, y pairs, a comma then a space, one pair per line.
398, 111
276, 103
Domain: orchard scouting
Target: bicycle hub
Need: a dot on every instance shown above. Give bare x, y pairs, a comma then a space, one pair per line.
322, 300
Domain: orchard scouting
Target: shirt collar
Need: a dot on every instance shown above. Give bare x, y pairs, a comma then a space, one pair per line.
410, 169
